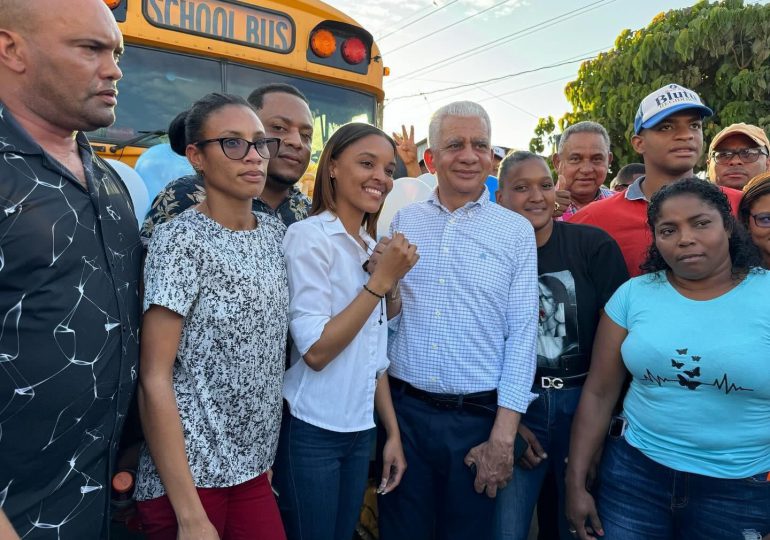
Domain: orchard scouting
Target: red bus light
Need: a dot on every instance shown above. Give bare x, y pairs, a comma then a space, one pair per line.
353, 50
323, 43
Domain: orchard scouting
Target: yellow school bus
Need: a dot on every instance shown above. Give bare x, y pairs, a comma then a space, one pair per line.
178, 50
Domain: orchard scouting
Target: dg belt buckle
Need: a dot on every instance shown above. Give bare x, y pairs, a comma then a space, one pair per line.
552, 382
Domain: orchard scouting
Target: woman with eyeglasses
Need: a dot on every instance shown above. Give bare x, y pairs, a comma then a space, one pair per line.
754, 212
690, 457
338, 319
213, 342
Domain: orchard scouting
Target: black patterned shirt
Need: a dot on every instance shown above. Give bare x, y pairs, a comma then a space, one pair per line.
231, 287
187, 191
69, 327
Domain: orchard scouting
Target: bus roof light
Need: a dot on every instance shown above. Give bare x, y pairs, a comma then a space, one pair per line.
112, 4
353, 50
323, 43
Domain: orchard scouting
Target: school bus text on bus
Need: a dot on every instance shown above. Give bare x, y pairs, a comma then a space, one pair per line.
235, 22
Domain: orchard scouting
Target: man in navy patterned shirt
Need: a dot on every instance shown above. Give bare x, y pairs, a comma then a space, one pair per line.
285, 113
463, 349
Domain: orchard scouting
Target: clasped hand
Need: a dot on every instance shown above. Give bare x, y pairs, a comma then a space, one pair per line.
392, 258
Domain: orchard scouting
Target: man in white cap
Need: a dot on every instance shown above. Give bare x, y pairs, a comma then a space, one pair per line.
668, 134
498, 153
737, 154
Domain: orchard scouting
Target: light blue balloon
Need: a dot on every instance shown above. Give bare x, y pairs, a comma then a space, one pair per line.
159, 165
491, 186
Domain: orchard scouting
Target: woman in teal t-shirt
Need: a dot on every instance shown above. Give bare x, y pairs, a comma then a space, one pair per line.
690, 460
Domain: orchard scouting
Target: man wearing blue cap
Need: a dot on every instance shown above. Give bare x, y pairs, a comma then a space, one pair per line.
668, 134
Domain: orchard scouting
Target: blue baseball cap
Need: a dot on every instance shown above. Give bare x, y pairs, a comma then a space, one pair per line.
664, 102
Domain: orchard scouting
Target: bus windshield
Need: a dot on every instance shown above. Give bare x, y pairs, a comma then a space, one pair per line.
157, 85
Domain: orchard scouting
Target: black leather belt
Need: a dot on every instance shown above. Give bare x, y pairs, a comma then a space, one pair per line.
455, 402
558, 383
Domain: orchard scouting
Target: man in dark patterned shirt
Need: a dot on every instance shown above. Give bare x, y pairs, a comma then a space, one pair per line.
285, 113
69, 270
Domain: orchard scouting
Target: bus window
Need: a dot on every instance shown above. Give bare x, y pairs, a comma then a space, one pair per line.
156, 86
332, 106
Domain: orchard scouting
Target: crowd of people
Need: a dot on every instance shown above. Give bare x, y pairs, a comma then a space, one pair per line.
593, 352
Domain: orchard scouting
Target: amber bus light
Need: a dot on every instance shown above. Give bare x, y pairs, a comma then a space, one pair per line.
323, 43
112, 4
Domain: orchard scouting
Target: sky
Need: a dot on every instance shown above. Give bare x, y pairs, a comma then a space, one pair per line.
469, 42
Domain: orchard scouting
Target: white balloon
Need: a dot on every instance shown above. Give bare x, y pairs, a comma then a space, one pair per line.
428, 179
405, 191
136, 188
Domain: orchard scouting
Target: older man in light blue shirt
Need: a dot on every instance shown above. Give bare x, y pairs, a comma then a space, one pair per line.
463, 349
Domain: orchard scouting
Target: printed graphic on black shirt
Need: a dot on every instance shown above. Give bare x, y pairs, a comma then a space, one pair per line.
687, 369
558, 330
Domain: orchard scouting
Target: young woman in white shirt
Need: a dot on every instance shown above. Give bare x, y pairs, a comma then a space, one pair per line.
338, 320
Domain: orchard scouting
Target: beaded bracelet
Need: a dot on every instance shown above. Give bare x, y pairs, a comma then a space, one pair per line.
380, 296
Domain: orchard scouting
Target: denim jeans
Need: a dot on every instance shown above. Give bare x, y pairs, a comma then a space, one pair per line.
436, 499
550, 419
640, 499
320, 476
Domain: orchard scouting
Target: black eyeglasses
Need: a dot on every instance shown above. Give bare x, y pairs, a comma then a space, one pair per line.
762, 220
747, 155
237, 148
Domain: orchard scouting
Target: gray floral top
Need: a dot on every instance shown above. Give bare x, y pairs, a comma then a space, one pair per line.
187, 191
232, 289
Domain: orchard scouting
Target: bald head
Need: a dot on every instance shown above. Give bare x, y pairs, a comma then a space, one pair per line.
25, 16
58, 63
19, 15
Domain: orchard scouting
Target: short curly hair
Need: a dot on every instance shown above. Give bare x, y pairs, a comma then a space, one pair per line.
743, 253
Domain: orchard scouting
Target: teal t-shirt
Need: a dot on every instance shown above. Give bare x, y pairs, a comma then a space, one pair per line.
699, 400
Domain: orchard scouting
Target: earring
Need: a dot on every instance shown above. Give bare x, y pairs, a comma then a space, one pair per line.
556, 206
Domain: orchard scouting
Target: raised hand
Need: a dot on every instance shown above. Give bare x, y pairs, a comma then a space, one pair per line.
407, 151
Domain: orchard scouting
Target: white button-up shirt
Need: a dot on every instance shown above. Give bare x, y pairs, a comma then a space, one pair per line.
325, 275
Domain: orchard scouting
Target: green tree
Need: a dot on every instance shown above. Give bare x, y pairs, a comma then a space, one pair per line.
718, 49
544, 134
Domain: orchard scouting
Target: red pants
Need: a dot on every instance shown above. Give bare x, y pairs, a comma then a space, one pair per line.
244, 512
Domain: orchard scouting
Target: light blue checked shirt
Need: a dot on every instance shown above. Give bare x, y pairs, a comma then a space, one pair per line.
469, 311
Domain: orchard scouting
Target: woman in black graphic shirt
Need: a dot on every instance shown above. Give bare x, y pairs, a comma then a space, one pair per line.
579, 268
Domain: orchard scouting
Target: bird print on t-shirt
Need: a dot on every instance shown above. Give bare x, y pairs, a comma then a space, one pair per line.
689, 376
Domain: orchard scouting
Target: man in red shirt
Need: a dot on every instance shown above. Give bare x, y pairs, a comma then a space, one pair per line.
668, 134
